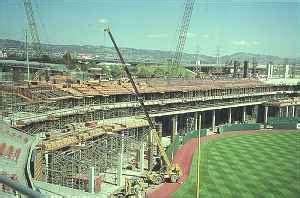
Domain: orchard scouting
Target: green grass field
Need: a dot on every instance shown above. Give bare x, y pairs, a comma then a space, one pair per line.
253, 165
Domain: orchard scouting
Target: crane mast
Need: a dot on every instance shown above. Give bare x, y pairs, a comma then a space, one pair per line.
35, 39
182, 34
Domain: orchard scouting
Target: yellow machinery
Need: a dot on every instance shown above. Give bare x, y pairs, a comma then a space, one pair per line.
172, 172
133, 188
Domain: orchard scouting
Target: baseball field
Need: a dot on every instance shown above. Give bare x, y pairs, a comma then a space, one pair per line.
262, 164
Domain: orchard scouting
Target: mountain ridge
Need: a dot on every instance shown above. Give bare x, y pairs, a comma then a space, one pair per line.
150, 55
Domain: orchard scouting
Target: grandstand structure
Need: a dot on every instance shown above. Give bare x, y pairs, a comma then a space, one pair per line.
99, 127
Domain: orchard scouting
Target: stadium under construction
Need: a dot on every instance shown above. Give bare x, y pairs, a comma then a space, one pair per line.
75, 130
93, 136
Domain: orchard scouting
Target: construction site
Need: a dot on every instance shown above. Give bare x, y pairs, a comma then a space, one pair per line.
98, 131
65, 137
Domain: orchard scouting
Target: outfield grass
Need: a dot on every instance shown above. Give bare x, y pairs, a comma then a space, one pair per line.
253, 165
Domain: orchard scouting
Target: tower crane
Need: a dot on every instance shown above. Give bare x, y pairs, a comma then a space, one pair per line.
173, 171
182, 34
35, 38
32, 27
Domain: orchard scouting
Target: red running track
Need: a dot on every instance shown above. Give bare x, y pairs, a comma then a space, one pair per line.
184, 158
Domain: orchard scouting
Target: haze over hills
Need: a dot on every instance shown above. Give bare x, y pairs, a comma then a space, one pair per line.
144, 55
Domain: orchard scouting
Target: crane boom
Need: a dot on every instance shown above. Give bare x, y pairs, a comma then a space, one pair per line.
141, 101
136, 91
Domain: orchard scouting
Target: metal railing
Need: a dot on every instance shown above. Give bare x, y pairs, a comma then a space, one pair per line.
19, 187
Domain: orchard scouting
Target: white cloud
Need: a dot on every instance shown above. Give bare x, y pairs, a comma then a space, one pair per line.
204, 35
191, 35
159, 35
102, 20
244, 43
255, 43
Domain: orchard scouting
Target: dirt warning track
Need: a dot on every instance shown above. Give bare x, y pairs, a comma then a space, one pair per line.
183, 158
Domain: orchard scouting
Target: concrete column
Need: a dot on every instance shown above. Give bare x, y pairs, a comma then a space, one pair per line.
91, 180
196, 121
268, 71
214, 120
271, 70
229, 115
256, 113
150, 152
174, 127
276, 112
266, 114
91, 184
158, 127
120, 163
46, 166
244, 114
142, 157
280, 112
199, 121
293, 111
287, 111
286, 73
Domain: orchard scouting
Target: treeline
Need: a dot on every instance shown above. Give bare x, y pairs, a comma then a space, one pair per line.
145, 71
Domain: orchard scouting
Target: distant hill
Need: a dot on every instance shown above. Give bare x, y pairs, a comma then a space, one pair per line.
262, 59
145, 55
6, 43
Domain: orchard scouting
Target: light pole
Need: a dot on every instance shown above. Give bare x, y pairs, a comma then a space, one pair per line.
198, 163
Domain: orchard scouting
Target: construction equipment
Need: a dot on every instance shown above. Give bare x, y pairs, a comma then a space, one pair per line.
182, 34
35, 41
32, 27
172, 172
133, 188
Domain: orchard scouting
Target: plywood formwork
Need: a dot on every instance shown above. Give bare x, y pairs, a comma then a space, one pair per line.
285, 102
81, 133
60, 91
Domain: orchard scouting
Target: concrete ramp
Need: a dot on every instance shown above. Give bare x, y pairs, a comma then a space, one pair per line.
15, 152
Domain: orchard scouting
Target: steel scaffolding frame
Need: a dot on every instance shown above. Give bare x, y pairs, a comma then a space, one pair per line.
117, 112
70, 167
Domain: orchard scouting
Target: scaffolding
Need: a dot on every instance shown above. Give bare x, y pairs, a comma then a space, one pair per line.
70, 167
84, 125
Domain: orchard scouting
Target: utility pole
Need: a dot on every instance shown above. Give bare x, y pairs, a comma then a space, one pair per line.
218, 56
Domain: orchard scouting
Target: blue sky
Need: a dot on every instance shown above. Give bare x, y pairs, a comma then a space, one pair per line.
255, 26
